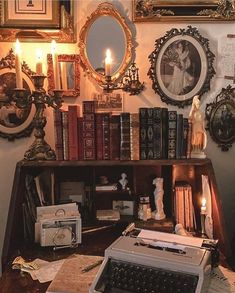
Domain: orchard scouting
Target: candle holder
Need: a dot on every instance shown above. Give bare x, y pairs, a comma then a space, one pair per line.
40, 149
130, 82
203, 231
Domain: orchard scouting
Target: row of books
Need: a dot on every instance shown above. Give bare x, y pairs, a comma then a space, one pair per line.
153, 133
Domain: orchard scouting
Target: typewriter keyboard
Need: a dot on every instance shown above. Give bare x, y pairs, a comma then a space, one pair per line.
128, 277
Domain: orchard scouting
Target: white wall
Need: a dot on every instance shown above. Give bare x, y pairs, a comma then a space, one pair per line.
146, 34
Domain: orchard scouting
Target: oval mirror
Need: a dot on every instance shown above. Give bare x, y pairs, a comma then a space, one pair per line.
105, 29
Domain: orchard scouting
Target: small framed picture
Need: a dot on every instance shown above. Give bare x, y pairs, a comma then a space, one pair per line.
109, 102
125, 207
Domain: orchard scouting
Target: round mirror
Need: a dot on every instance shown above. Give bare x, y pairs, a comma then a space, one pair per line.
105, 29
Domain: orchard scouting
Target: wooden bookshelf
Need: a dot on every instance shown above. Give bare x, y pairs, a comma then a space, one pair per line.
140, 175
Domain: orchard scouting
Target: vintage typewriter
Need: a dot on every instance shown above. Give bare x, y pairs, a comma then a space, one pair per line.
155, 262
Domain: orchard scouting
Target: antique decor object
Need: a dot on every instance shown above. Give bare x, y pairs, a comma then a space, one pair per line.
220, 116
107, 31
70, 74
181, 66
40, 149
159, 213
187, 10
14, 121
27, 24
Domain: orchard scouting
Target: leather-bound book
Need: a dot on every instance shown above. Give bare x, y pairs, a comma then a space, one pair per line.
65, 135
99, 135
172, 120
135, 136
89, 144
179, 136
150, 134
164, 133
58, 134
143, 133
157, 129
189, 138
106, 136
115, 137
80, 138
73, 114
89, 107
125, 144
185, 138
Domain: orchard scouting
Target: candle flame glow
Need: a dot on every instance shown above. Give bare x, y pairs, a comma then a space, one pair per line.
17, 47
108, 59
203, 202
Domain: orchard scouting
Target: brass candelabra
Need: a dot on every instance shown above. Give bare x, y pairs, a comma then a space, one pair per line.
40, 149
130, 82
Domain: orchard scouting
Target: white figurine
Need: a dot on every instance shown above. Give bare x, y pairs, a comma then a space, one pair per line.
158, 198
199, 138
123, 181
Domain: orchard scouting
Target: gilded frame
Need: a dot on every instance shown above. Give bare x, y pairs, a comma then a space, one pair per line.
178, 77
64, 32
106, 9
75, 59
14, 122
220, 116
190, 10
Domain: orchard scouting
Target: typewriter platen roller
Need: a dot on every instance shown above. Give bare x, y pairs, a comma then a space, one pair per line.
135, 265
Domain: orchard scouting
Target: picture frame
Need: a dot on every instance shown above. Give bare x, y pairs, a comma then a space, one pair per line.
187, 10
181, 66
15, 122
69, 74
109, 102
220, 117
59, 28
31, 14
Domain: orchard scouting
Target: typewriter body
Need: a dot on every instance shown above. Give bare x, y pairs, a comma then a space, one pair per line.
136, 264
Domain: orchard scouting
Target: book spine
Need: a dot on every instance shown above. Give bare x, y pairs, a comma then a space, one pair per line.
189, 139
58, 134
73, 114
143, 133
179, 136
185, 138
125, 146
164, 133
134, 136
106, 136
89, 151
157, 130
65, 135
172, 120
99, 135
150, 136
80, 138
115, 137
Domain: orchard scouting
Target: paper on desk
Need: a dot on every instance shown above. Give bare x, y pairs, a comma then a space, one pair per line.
70, 277
167, 237
222, 281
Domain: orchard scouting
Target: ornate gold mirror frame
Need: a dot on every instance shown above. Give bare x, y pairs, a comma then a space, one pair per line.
105, 9
71, 74
64, 34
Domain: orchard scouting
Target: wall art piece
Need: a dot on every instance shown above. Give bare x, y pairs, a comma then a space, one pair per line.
14, 121
109, 102
220, 116
37, 20
181, 66
187, 10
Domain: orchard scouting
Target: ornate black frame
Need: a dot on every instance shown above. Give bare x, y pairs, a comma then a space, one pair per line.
8, 62
172, 35
225, 97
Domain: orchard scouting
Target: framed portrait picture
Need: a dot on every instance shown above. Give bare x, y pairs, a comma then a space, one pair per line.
187, 10
109, 102
181, 66
31, 13
220, 116
15, 122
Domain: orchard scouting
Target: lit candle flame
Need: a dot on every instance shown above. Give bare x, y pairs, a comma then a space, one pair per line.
203, 202
108, 62
17, 47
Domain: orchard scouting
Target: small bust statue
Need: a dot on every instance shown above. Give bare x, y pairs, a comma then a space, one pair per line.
199, 138
123, 181
158, 198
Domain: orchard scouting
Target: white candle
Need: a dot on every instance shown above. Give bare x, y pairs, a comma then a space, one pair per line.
39, 62
19, 81
108, 63
55, 65
203, 207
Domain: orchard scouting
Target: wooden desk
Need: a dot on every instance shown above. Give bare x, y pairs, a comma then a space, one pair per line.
13, 281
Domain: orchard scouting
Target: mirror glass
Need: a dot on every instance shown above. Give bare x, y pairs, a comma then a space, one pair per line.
105, 33
105, 29
67, 75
